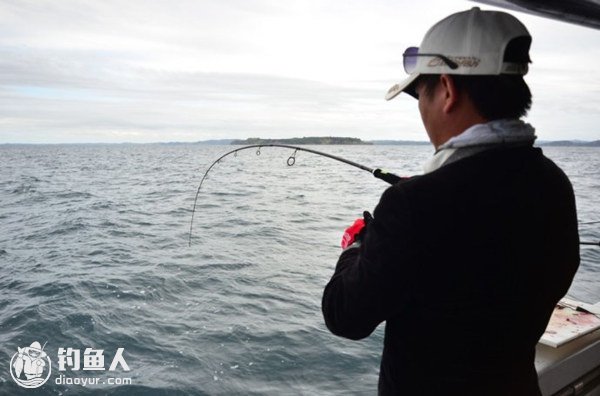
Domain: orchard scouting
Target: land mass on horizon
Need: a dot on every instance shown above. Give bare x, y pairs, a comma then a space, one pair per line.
303, 140
333, 140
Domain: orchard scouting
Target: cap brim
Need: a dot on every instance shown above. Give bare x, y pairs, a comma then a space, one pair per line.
404, 86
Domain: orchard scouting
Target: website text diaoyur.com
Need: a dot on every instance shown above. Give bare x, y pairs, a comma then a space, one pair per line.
87, 381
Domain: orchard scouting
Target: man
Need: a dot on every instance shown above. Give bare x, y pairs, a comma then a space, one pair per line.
466, 262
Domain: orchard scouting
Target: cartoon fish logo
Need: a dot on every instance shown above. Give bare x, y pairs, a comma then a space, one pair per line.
28, 365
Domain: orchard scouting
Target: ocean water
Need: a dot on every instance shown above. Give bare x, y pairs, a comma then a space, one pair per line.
94, 254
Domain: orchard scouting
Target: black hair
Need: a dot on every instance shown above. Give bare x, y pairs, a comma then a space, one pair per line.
494, 97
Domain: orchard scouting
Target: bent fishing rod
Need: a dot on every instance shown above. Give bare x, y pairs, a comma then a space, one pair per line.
378, 173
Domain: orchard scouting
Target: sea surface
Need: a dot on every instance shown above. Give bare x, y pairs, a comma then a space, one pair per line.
94, 254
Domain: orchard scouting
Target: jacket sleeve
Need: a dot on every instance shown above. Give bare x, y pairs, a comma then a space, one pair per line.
372, 283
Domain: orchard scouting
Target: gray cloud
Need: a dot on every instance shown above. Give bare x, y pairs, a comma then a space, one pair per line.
83, 71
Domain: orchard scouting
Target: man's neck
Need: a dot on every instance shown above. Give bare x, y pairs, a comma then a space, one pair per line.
459, 125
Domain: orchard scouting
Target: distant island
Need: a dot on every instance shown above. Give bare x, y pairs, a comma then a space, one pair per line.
355, 141
400, 143
303, 140
569, 143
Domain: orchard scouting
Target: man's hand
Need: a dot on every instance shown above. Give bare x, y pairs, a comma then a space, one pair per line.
356, 231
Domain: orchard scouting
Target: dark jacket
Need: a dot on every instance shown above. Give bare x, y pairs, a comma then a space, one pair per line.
465, 265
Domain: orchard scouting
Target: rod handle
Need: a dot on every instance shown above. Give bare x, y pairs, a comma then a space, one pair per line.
385, 176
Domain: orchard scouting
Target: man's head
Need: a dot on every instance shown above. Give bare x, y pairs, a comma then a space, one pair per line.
474, 61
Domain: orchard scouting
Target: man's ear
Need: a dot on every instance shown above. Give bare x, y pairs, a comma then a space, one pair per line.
450, 93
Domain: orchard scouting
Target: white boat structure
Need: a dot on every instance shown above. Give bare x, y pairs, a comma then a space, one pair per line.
568, 354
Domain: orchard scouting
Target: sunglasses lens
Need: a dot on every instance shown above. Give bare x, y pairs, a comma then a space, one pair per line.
410, 59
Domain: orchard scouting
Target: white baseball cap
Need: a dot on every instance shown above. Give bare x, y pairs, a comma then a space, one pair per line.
471, 42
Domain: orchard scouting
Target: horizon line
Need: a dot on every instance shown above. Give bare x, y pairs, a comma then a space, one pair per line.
241, 139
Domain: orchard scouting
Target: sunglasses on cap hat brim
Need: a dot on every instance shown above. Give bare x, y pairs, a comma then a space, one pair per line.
411, 56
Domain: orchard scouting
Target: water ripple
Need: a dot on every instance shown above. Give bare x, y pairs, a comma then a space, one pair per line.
95, 256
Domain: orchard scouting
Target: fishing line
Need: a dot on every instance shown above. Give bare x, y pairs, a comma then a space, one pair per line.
378, 173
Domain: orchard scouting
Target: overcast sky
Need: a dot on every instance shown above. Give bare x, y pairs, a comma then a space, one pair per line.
148, 71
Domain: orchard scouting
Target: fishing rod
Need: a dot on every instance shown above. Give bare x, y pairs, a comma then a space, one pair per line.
587, 242
590, 243
378, 173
